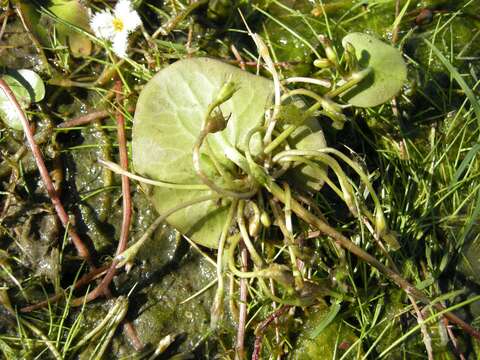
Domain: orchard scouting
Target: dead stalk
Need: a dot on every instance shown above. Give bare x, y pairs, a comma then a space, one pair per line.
427, 340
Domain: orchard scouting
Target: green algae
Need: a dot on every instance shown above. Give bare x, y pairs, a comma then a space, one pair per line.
332, 341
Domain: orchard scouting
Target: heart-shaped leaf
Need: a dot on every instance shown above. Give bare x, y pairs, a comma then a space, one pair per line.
28, 87
388, 75
168, 118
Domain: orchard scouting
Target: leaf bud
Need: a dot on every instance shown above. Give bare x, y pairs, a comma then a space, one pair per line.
322, 63
265, 219
226, 92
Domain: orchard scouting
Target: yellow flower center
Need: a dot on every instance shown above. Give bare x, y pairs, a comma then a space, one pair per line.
117, 24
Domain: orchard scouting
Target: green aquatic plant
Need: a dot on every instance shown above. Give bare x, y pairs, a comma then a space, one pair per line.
178, 112
28, 88
220, 146
272, 261
58, 22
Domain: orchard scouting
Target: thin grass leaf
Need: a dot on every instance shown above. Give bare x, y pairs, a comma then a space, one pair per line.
327, 320
466, 162
427, 320
456, 75
298, 36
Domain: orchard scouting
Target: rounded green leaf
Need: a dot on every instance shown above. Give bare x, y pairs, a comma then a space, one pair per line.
27, 87
167, 122
26, 84
75, 13
308, 137
388, 75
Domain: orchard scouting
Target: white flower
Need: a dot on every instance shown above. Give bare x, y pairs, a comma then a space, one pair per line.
116, 27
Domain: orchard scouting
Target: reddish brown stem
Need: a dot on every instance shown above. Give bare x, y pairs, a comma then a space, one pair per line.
238, 57
127, 200
84, 280
131, 332
102, 288
47, 181
84, 119
260, 330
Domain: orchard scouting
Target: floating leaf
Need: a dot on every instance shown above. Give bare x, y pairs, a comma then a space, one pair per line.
72, 12
66, 15
168, 117
308, 137
388, 75
28, 87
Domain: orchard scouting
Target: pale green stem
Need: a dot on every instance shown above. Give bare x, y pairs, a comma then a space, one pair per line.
346, 159
217, 306
56, 354
320, 82
354, 80
279, 139
256, 258
261, 273
129, 254
117, 169
330, 108
347, 189
301, 159
265, 54
288, 235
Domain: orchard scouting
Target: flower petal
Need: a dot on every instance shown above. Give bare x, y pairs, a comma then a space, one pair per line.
124, 11
132, 22
102, 25
120, 43
123, 8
